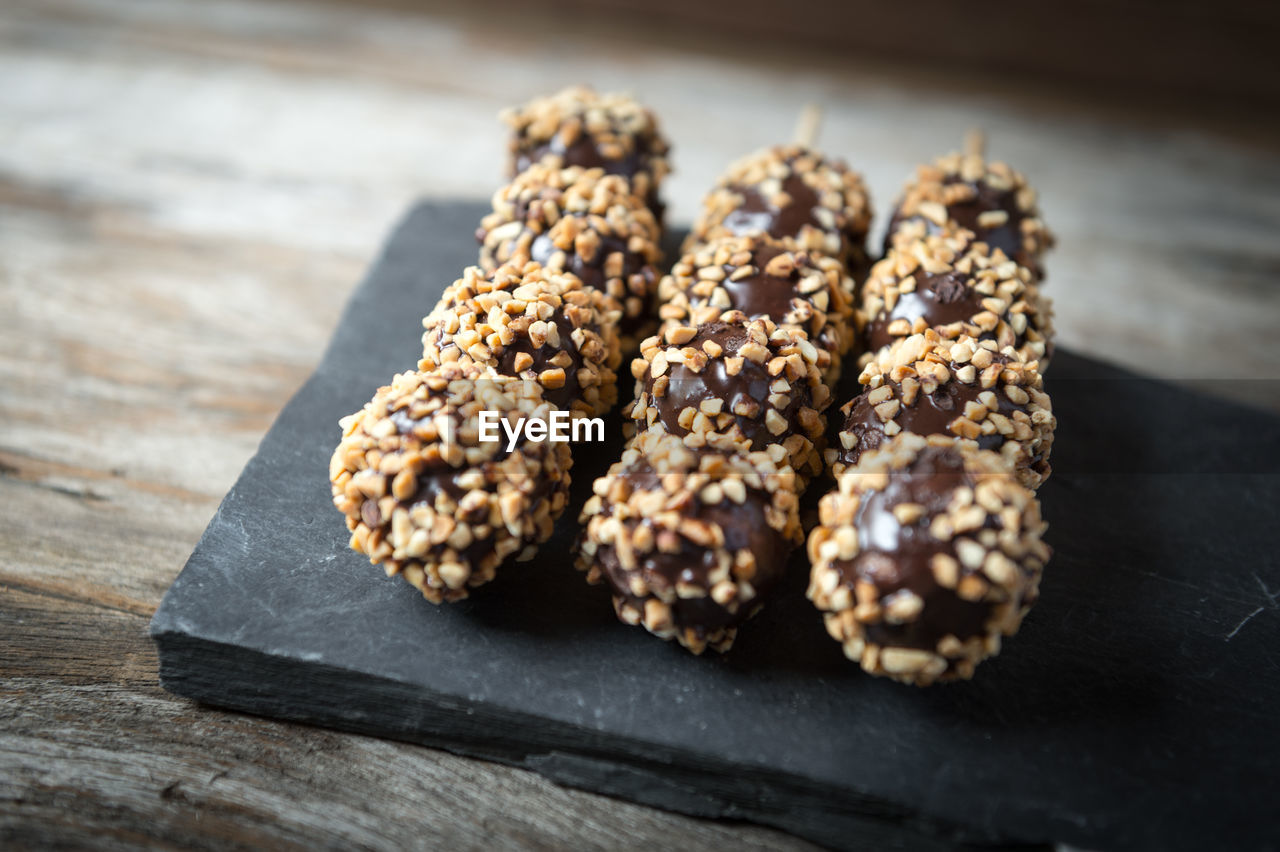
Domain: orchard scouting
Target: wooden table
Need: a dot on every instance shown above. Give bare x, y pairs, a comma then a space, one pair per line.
189, 191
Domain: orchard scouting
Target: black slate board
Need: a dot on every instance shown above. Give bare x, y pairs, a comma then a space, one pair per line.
1137, 708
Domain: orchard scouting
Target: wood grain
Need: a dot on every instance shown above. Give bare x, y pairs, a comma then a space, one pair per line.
93, 752
188, 192
1119, 50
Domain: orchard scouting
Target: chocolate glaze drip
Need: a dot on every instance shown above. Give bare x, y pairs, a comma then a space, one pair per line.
893, 557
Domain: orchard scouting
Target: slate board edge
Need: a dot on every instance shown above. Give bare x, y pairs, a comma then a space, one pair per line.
565, 754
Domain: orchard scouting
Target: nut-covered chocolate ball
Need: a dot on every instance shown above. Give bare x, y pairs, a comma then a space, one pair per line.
532, 323
426, 497
734, 384
956, 286
579, 127
990, 199
964, 388
581, 221
791, 193
926, 555
761, 277
690, 541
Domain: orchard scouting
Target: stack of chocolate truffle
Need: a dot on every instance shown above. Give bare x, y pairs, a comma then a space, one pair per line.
929, 549
693, 528
566, 276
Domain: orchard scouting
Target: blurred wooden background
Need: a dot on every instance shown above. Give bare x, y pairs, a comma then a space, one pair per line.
188, 192
1156, 51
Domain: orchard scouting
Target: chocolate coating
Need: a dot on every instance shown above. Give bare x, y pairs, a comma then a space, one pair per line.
958, 287
583, 222
981, 199
690, 541
744, 527
762, 277
896, 556
584, 152
991, 200
421, 492
637, 164
762, 294
579, 127
930, 416
563, 336
757, 214
591, 268
963, 389
539, 359
734, 382
926, 556
938, 300
747, 389
795, 195
632, 284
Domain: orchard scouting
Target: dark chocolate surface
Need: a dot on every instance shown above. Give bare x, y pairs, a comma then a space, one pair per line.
688, 389
583, 152
940, 299
1007, 237
544, 357
928, 414
894, 556
1135, 710
761, 294
744, 528
586, 153
772, 296
756, 213
592, 271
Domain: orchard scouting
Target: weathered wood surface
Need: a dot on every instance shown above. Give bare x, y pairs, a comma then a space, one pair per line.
93, 752
189, 191
1118, 50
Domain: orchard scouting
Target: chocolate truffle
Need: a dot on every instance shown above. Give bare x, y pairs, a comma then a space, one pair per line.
690, 541
794, 194
526, 321
581, 221
761, 277
990, 199
956, 286
964, 388
424, 496
734, 384
579, 127
925, 556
